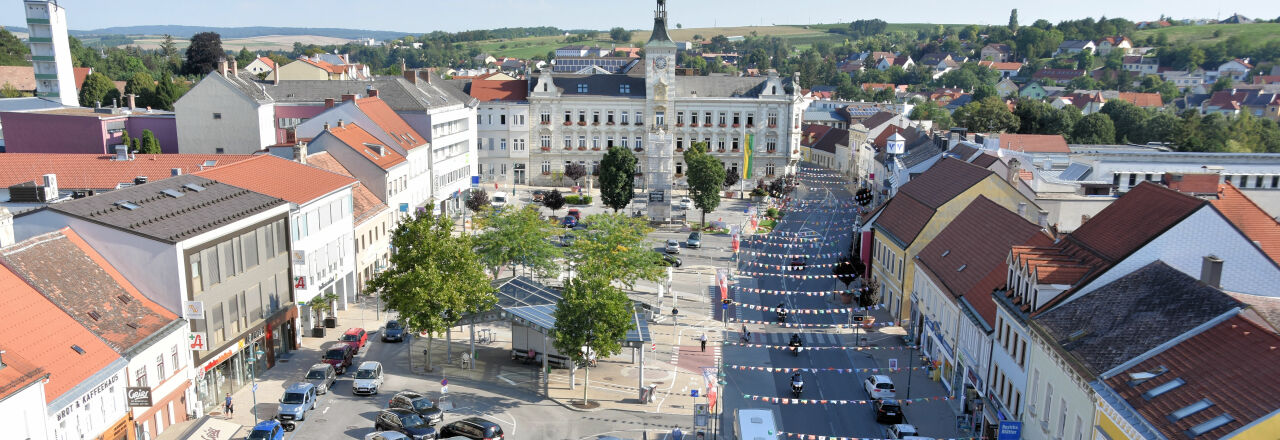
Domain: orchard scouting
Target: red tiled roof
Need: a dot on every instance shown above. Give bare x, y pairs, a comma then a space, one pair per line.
907, 213
878, 86
364, 203
973, 244
18, 373
883, 139
1192, 183
996, 65
1266, 79
359, 139
324, 65
381, 114
269, 62
1140, 215
812, 133
280, 178
102, 171
1233, 364
1256, 224
1142, 99
24, 77
985, 160
43, 336
1034, 143
486, 90
72, 275
1026, 175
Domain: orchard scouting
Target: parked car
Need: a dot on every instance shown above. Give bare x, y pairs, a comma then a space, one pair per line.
671, 260
878, 386
673, 247
694, 240
538, 195
498, 200
418, 403
356, 336
267, 430
339, 356
903, 431
405, 422
474, 428
393, 331
685, 203
576, 214
887, 411
321, 375
569, 221
297, 400
385, 435
368, 378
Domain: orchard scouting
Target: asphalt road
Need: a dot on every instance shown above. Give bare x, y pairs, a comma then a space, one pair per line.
846, 420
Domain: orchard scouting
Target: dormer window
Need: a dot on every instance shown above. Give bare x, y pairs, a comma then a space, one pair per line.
582, 88
624, 89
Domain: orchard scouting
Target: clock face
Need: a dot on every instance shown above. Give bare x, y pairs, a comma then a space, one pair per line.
660, 63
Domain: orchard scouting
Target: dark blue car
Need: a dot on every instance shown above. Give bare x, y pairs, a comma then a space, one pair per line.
569, 221
394, 331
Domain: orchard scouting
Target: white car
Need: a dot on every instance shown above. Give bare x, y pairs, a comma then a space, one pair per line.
904, 431
368, 378
685, 203
878, 386
498, 200
385, 435
673, 247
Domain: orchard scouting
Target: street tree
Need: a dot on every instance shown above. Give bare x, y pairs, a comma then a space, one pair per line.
731, 179
592, 320
149, 143
706, 177
95, 89
435, 276
615, 247
477, 201
870, 294
575, 172
517, 236
617, 177
203, 54
553, 201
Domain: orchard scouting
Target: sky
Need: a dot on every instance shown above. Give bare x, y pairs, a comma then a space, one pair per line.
422, 16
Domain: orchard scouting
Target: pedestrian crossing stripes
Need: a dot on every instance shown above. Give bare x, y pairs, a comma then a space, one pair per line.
782, 339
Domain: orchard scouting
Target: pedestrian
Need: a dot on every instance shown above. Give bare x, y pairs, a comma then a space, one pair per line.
746, 335
703, 340
228, 408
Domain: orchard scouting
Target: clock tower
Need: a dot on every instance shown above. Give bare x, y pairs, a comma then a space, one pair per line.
659, 80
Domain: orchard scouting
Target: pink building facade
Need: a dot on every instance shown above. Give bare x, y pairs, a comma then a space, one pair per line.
83, 130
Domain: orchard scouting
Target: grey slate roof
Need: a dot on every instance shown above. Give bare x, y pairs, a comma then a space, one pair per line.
169, 219
597, 85
1132, 315
722, 86
397, 92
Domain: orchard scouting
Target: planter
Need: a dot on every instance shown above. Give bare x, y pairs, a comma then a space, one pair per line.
595, 148
567, 123
546, 122
582, 148
736, 125
546, 173
773, 125
546, 148
751, 126
568, 148
639, 150
624, 123
330, 322
721, 125
595, 123
608, 123
582, 123
679, 175
317, 332
706, 125
679, 124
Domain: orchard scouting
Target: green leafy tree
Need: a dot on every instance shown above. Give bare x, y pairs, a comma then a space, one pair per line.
143, 87
1163, 127
620, 35
166, 93
203, 54
553, 201
990, 115
435, 276
125, 139
12, 51
9, 91
1223, 83
1127, 119
706, 175
168, 47
95, 89
1084, 60
1013, 21
517, 236
930, 111
615, 247
244, 57
592, 320
575, 172
1095, 128
1084, 83
149, 144
617, 177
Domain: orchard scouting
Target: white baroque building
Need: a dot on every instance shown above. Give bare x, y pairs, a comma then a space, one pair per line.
574, 119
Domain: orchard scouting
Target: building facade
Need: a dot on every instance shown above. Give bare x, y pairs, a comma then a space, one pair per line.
51, 51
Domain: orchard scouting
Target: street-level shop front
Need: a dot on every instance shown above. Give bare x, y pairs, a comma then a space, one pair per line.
230, 367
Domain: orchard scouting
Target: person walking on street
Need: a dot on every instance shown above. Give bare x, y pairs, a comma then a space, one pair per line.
227, 407
703, 340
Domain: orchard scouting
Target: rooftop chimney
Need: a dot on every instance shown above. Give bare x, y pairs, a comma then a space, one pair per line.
328, 103
373, 93
326, 126
132, 100
6, 228
348, 97
222, 67
300, 152
122, 152
341, 124
139, 180
411, 76
1042, 218
235, 66
1211, 271
175, 172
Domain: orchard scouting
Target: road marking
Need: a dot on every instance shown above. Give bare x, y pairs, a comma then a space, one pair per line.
504, 379
326, 410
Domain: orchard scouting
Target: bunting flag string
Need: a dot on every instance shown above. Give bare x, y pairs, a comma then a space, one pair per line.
809, 325
794, 276
776, 255
836, 437
788, 266
794, 401
792, 292
827, 347
797, 234
794, 245
755, 238
840, 310
790, 211
823, 370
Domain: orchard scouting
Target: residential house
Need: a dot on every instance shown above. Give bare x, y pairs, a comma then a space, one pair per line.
1075, 46
381, 169
1226, 102
74, 382
261, 66
484, 59
1006, 87
921, 209
153, 341
1266, 79
1235, 69
373, 221
322, 235
995, 52
1142, 65
174, 240
1057, 75
1184, 79
1107, 44
827, 147
308, 69
903, 61
954, 277
1033, 90
86, 130
1107, 331
1237, 19
23, 78
1006, 69
503, 126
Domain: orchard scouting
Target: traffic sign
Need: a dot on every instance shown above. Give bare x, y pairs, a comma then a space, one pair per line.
893, 363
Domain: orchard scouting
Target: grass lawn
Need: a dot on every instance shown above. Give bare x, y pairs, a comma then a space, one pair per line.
1255, 33
527, 47
768, 224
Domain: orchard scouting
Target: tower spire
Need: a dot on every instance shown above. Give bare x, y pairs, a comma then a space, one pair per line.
660, 23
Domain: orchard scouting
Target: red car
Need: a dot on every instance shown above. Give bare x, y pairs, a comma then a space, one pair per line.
339, 355
356, 337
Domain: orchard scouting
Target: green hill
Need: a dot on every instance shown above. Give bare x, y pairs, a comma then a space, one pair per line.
1256, 33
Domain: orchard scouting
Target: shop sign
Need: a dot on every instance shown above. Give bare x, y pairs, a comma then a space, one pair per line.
299, 257
300, 283
193, 309
1010, 431
199, 341
87, 397
138, 396
226, 354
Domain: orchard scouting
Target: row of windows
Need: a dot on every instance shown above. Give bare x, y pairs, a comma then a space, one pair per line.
517, 144
1240, 180
722, 118
236, 255
315, 220
453, 176
371, 236
448, 128
1012, 342
1006, 391
889, 260
173, 364
1045, 412
290, 122
226, 319
623, 117
450, 151
502, 119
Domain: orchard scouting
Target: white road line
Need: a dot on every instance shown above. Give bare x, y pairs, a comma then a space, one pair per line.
508, 381
326, 410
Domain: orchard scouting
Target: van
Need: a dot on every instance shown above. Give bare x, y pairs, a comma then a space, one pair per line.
498, 200
298, 398
754, 424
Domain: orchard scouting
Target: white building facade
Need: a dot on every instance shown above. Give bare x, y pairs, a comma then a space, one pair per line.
23, 413
163, 365
90, 408
502, 142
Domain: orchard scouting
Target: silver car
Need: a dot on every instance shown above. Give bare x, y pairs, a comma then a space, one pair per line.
673, 247
322, 376
368, 378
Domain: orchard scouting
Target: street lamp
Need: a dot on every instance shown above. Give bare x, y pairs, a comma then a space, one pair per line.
715, 431
253, 381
